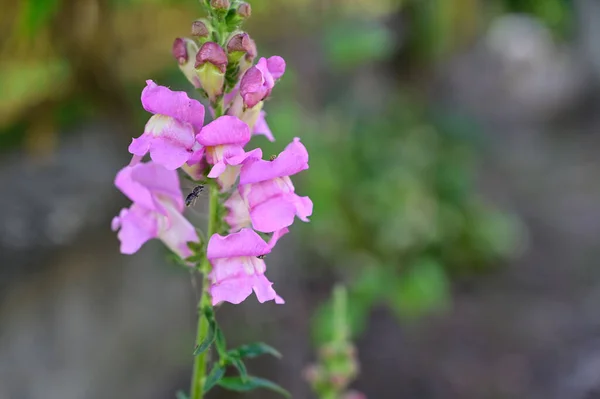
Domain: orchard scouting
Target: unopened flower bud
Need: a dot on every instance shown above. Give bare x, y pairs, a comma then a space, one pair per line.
211, 64
184, 51
180, 51
244, 10
200, 29
238, 46
220, 4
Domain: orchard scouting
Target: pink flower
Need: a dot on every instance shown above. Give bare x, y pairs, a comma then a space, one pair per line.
237, 268
266, 197
259, 80
254, 117
155, 212
223, 140
169, 135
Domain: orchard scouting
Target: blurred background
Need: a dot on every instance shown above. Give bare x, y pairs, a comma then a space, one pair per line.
454, 172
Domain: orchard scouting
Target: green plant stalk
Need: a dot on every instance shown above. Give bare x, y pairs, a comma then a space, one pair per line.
200, 361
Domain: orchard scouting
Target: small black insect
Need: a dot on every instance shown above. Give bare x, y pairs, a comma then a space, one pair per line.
260, 256
273, 157
193, 196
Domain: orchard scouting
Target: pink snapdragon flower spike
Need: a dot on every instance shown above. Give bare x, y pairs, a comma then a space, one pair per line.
259, 80
266, 195
223, 140
169, 135
156, 211
237, 270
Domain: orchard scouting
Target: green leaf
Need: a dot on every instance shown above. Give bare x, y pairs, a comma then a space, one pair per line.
240, 366
210, 338
220, 343
237, 384
214, 377
254, 350
181, 395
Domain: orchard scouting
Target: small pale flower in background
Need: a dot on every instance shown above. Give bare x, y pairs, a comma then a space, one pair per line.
169, 135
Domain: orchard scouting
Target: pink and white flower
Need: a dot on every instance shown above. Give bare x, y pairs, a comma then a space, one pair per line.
238, 267
169, 135
266, 197
223, 140
156, 211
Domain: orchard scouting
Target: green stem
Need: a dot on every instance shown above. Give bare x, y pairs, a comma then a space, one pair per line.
200, 361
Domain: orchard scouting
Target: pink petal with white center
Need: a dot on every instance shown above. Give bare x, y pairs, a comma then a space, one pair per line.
293, 159
273, 214
144, 182
225, 129
160, 100
136, 226
276, 66
246, 242
261, 127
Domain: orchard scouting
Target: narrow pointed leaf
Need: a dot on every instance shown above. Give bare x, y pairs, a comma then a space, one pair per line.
239, 385
204, 345
213, 377
254, 350
240, 366
220, 343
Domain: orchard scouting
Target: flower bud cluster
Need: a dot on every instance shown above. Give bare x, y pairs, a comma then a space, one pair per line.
259, 197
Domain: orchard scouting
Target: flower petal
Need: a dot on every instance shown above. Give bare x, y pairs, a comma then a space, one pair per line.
137, 225
246, 242
176, 231
143, 182
168, 154
289, 162
261, 127
276, 66
234, 290
263, 289
273, 215
224, 130
160, 100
